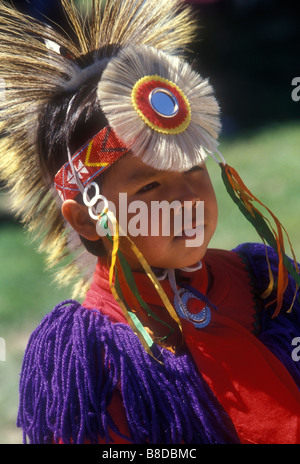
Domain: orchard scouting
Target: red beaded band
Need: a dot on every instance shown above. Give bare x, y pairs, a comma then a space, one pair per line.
90, 161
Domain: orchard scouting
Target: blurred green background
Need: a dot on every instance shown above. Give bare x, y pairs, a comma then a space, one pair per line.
249, 50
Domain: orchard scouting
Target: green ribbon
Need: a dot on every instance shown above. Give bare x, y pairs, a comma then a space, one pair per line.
132, 285
260, 225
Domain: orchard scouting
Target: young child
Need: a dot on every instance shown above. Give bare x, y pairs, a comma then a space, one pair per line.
173, 343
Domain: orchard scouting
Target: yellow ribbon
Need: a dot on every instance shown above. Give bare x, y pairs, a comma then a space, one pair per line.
116, 241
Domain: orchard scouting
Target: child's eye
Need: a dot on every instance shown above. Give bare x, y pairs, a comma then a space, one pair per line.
148, 187
194, 169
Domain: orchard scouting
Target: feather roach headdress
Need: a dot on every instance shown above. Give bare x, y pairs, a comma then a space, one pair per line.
124, 77
39, 67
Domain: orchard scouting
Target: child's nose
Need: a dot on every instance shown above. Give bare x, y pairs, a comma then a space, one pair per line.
183, 192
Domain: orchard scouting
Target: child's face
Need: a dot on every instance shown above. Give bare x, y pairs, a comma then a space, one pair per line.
140, 182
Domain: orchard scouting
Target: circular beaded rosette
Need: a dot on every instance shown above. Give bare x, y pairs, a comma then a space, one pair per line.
161, 104
161, 109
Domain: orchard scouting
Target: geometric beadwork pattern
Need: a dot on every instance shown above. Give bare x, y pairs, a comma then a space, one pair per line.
91, 160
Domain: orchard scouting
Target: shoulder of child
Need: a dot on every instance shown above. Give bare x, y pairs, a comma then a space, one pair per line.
59, 380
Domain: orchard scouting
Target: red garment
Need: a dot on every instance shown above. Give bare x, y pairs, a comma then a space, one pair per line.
250, 383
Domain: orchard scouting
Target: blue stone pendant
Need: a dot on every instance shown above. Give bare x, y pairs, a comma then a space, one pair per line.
201, 319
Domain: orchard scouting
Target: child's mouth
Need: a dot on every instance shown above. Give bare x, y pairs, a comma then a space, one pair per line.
187, 233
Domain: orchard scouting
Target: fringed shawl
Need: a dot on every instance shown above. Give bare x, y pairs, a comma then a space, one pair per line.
75, 360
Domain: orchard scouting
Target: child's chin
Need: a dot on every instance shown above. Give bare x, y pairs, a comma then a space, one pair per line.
190, 258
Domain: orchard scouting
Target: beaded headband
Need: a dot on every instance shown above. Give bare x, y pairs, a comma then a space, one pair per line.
89, 162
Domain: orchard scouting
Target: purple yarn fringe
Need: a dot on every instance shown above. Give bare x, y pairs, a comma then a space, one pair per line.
74, 361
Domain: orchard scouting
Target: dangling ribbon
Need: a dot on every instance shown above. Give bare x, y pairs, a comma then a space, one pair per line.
124, 289
273, 235
120, 271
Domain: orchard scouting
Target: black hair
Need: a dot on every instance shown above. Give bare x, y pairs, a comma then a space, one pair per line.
69, 120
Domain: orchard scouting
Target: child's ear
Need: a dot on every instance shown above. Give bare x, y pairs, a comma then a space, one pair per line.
78, 217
